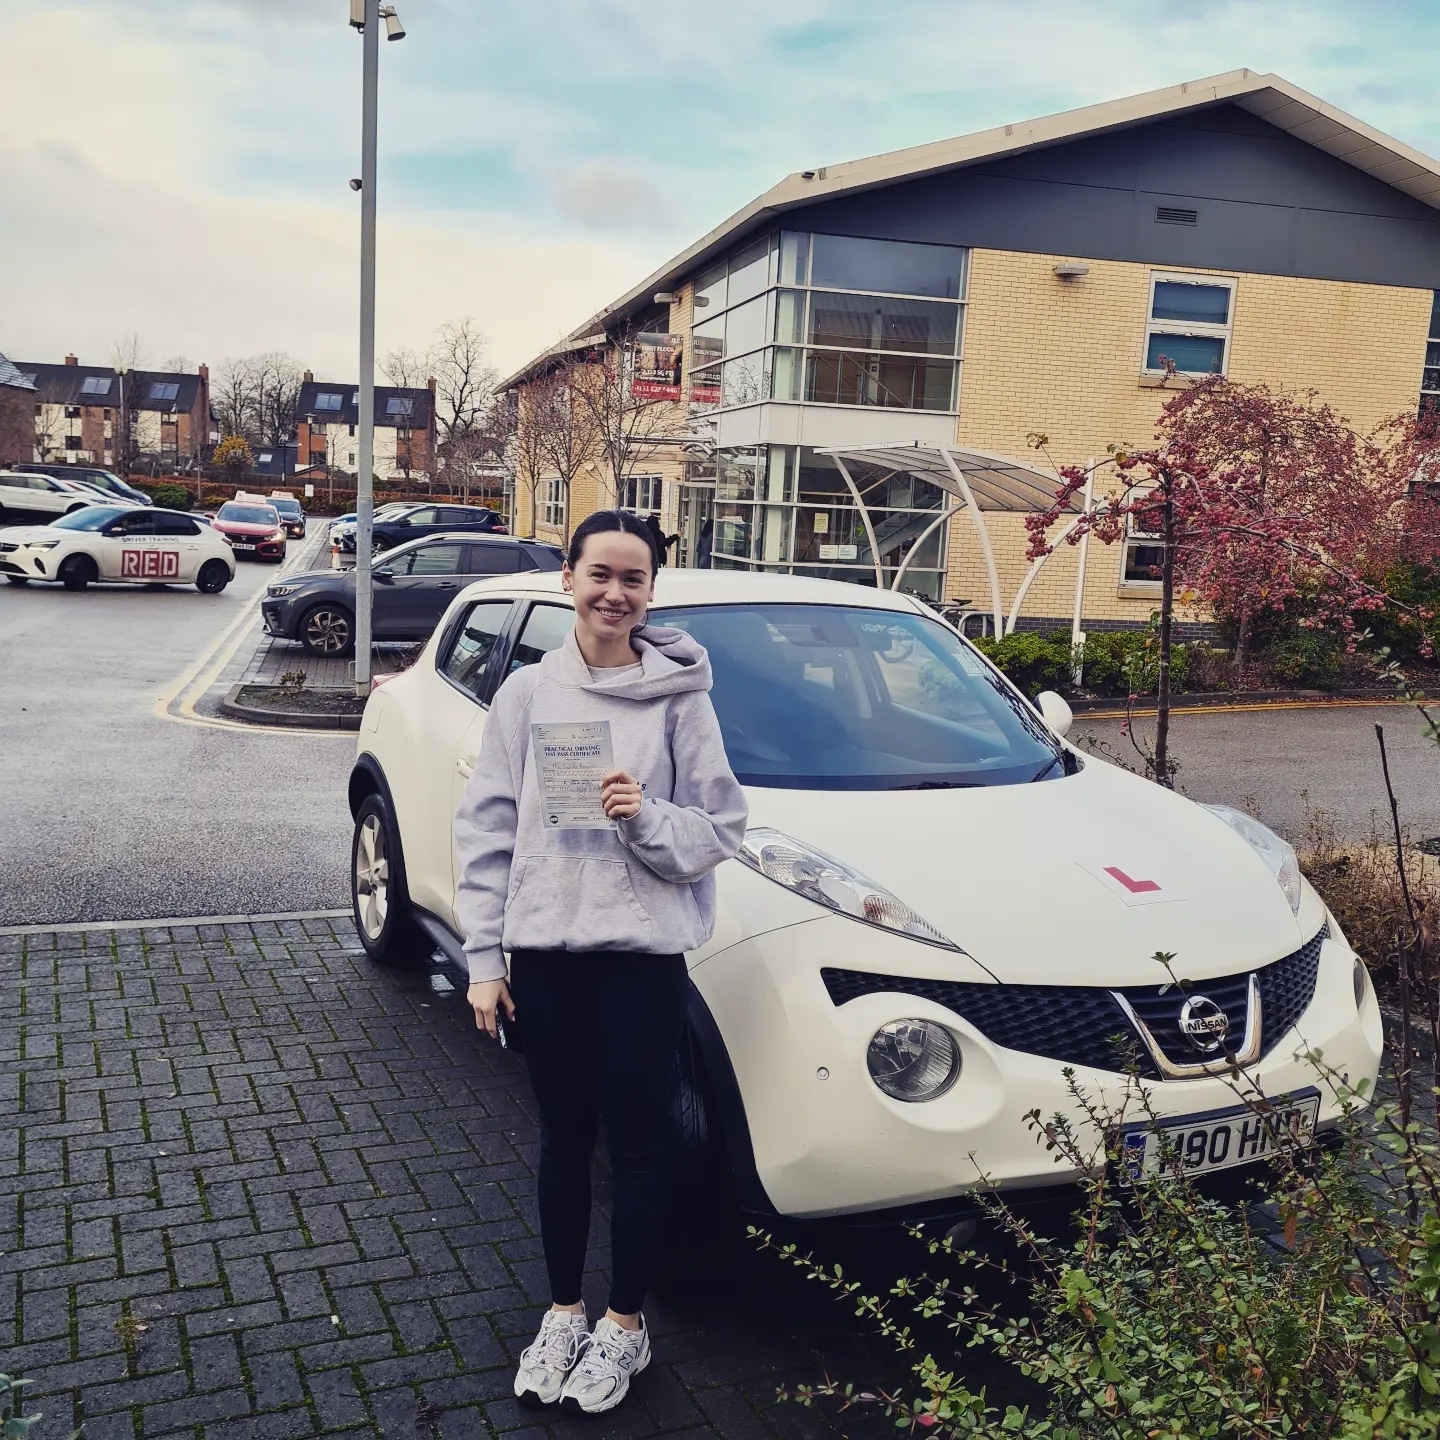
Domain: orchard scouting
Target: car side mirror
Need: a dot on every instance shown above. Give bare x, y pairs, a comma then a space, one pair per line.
384, 574
113, 530
1056, 712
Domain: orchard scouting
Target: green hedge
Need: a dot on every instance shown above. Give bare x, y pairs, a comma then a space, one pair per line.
1116, 662
171, 497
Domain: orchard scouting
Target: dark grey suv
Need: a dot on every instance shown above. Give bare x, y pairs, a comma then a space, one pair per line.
413, 586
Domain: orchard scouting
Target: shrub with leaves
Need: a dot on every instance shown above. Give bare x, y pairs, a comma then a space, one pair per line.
1171, 1314
13, 1425
171, 497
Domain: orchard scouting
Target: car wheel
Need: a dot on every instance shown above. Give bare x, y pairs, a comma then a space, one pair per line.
327, 631
378, 896
73, 508
77, 572
18, 579
214, 576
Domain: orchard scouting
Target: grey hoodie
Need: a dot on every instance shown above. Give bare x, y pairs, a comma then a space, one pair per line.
647, 885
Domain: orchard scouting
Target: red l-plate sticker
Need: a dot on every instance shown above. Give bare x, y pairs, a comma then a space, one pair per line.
1135, 887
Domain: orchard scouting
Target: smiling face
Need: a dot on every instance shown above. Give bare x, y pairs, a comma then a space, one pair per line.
613, 585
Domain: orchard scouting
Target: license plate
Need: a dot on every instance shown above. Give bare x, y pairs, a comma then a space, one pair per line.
237, 545
1202, 1144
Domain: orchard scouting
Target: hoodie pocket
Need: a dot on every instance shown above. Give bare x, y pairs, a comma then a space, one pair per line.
575, 902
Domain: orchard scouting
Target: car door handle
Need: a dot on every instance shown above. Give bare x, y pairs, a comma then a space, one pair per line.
465, 767
446, 585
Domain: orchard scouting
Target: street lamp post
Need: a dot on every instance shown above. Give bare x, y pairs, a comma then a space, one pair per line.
365, 16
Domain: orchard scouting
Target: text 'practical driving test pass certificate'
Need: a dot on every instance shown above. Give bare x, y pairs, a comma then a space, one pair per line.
571, 760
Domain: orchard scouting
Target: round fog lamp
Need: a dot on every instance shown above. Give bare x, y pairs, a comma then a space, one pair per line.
913, 1059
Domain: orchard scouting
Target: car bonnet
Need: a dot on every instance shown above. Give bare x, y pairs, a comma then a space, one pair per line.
1077, 880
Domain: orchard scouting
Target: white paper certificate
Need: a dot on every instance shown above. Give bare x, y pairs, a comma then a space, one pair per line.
571, 759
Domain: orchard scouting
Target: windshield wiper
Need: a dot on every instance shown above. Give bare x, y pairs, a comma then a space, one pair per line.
1048, 766
940, 785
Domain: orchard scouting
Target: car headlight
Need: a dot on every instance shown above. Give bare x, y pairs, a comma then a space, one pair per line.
830, 882
278, 534
1278, 854
276, 591
913, 1059
42, 544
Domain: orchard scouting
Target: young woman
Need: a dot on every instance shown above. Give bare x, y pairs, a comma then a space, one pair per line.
597, 919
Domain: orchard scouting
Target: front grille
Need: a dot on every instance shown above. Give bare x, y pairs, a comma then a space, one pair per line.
1084, 1025
9, 567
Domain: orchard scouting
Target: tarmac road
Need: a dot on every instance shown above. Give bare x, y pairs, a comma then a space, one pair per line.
109, 811
1270, 762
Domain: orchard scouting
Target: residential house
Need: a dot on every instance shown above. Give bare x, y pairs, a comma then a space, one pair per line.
17, 415
958, 297
84, 414
327, 418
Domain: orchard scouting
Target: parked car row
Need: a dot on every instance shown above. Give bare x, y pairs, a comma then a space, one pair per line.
398, 521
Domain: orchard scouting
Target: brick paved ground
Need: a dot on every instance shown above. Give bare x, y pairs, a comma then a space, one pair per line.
251, 1186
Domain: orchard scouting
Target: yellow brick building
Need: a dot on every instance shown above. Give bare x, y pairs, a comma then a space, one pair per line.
966, 295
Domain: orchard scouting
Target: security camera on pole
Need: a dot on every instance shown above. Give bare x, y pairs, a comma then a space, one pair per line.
365, 16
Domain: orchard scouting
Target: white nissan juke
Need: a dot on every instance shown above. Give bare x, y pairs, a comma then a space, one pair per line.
940, 908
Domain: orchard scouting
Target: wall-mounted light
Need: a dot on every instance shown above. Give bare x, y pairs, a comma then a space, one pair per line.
1071, 270
666, 297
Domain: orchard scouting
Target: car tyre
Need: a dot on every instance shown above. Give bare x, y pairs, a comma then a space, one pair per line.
327, 631
378, 897
77, 572
702, 1228
214, 576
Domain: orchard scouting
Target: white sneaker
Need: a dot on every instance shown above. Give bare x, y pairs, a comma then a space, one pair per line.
550, 1357
613, 1358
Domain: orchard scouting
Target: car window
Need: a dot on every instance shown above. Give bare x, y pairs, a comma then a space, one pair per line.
487, 558
442, 559
136, 522
175, 525
545, 630
423, 516
456, 515
474, 643
833, 697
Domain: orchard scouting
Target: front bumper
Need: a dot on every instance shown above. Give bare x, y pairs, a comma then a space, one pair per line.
33, 564
273, 615
249, 547
828, 1142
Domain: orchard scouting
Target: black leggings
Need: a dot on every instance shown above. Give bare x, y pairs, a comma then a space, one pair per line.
601, 1031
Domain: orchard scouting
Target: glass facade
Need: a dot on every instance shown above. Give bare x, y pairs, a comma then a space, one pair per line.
831, 320
785, 509
1430, 382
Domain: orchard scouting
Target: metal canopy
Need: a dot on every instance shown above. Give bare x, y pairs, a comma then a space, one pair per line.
997, 482
979, 481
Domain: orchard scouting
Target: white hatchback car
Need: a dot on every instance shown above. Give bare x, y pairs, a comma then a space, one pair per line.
118, 543
940, 906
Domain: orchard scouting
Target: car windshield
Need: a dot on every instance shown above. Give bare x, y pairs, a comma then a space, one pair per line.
97, 517
287, 507
834, 697
248, 514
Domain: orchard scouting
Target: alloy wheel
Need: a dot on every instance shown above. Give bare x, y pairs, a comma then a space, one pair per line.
372, 878
327, 632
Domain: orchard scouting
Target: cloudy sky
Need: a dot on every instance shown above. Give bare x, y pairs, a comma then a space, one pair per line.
178, 168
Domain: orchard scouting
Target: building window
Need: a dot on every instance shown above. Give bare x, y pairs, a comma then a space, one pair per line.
832, 320
552, 503
1143, 556
1189, 324
329, 400
164, 390
95, 385
641, 493
399, 405
1430, 380
72, 412
72, 442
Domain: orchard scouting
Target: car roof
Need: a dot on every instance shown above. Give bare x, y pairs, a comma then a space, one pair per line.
726, 587
464, 537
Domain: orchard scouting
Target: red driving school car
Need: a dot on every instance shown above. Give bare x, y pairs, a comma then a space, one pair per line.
252, 529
